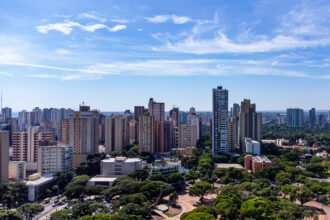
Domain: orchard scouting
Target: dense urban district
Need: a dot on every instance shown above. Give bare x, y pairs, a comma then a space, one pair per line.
231, 163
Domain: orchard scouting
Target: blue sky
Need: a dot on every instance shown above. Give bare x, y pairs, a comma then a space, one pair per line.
116, 54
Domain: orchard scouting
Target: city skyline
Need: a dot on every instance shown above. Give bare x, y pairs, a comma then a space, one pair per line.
116, 55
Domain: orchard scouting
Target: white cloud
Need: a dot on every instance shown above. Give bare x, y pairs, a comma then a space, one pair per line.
5, 73
221, 44
90, 16
121, 21
164, 18
66, 27
62, 51
191, 67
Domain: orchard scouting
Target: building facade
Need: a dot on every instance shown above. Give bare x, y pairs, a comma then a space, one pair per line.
53, 158
4, 156
295, 117
220, 120
250, 122
146, 133
116, 133
312, 118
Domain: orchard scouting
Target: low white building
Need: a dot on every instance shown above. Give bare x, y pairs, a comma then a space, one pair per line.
54, 158
38, 185
252, 146
167, 166
120, 166
17, 170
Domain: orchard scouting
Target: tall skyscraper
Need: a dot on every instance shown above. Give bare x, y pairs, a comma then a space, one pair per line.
6, 113
84, 133
250, 122
116, 133
295, 117
312, 118
138, 111
235, 110
146, 133
322, 120
65, 132
4, 156
157, 109
174, 115
232, 133
220, 120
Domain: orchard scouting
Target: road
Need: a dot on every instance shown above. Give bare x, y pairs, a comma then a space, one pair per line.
49, 209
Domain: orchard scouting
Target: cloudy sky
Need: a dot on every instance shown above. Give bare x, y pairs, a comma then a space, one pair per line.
116, 54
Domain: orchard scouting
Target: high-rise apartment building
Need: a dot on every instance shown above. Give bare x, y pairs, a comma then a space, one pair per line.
23, 117
187, 135
250, 122
4, 156
132, 131
295, 117
235, 110
116, 133
232, 133
220, 120
84, 133
322, 120
53, 157
6, 113
65, 132
25, 144
157, 109
146, 133
312, 118
174, 115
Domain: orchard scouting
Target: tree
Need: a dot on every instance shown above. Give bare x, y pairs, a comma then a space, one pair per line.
88, 208
158, 177
135, 209
173, 198
175, 178
201, 212
191, 176
205, 165
305, 195
61, 215
228, 205
10, 215
29, 210
101, 216
74, 192
147, 156
139, 174
235, 175
257, 208
201, 189
19, 192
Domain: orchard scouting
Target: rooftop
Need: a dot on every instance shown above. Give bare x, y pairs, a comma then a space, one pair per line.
121, 159
228, 165
43, 179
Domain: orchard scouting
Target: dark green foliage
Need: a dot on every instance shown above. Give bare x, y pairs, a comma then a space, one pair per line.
201, 189
88, 208
202, 212
9, 215
29, 210
60, 215
257, 208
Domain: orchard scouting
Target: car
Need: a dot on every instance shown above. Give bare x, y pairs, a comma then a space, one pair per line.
54, 205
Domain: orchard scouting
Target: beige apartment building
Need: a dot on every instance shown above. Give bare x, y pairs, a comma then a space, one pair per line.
146, 133
116, 133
